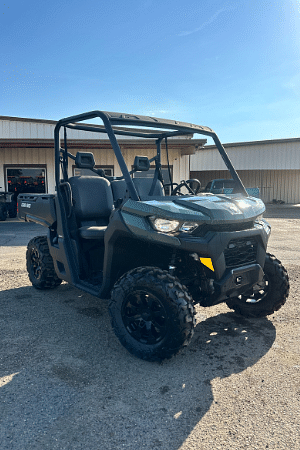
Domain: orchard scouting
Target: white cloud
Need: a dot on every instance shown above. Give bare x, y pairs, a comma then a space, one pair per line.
204, 24
294, 84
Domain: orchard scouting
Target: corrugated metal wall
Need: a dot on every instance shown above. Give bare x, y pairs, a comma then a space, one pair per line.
18, 128
273, 166
24, 130
103, 156
268, 155
273, 184
14, 129
35, 129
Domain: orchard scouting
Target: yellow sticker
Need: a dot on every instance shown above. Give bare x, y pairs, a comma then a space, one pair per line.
208, 263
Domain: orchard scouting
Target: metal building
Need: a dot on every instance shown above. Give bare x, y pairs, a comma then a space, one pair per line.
272, 165
27, 153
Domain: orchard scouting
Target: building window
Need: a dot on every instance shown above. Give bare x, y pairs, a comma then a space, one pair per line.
108, 170
24, 179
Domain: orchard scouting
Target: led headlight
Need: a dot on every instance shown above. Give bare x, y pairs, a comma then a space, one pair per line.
164, 225
188, 227
169, 226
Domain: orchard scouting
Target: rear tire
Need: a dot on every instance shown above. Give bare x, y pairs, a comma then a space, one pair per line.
40, 266
268, 296
13, 210
152, 313
3, 212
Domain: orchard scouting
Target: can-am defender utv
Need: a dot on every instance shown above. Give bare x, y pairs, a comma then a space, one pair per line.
155, 255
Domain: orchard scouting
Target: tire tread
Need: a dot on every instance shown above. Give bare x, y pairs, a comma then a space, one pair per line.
180, 303
49, 278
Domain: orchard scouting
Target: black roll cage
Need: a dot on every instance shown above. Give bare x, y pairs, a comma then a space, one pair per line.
116, 123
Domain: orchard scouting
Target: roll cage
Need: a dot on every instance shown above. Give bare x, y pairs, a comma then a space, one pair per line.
136, 126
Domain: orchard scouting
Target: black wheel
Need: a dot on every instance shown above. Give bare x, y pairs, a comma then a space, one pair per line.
266, 297
40, 266
3, 212
151, 313
13, 210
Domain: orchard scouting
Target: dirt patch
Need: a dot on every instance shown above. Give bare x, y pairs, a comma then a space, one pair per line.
67, 383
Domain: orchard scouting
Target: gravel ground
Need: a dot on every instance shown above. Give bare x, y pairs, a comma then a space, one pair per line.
67, 383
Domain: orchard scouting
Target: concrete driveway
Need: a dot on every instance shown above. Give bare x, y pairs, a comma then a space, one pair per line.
67, 383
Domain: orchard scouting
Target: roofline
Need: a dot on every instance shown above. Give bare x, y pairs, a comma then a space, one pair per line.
54, 122
229, 144
243, 144
26, 119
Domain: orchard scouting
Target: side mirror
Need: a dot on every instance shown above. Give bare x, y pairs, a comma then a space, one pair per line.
141, 163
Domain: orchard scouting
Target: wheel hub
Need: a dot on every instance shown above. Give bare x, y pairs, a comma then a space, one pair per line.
144, 317
35, 264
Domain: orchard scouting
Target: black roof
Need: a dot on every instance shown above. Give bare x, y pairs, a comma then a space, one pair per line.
163, 127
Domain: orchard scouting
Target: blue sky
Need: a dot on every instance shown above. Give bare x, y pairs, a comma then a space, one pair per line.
231, 65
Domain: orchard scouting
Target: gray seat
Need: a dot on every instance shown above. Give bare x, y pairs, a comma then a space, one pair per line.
92, 205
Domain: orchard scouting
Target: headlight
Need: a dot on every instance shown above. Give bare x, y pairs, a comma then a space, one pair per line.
164, 225
169, 226
188, 227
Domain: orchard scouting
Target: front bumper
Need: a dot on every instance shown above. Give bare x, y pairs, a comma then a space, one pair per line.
237, 281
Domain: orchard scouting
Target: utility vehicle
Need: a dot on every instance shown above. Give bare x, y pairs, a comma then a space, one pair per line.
7, 205
226, 186
154, 255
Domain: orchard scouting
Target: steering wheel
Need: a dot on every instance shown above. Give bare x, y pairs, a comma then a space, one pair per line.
193, 186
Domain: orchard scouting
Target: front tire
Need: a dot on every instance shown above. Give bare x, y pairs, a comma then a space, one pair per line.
39, 264
151, 313
268, 296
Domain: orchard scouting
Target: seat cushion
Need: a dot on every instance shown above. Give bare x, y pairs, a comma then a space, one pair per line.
92, 232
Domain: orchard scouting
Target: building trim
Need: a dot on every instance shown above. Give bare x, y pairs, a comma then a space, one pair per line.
26, 119
245, 144
186, 147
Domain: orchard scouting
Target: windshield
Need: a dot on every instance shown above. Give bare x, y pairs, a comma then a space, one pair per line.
221, 184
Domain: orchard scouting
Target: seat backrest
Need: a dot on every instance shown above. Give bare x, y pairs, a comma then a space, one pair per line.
143, 186
119, 189
92, 197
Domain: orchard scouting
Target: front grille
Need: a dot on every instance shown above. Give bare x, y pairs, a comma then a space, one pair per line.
221, 228
240, 252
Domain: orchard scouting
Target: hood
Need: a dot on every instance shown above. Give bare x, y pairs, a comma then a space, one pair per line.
205, 208
220, 207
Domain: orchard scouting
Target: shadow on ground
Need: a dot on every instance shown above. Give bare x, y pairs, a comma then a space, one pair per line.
66, 382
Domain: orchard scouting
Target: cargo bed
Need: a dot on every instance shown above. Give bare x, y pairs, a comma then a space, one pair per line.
38, 208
